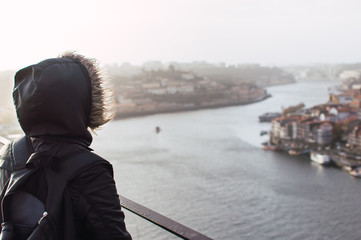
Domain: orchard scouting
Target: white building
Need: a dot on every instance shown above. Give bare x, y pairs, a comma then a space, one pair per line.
346, 74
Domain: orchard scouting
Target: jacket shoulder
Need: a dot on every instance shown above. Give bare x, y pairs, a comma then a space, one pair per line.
80, 162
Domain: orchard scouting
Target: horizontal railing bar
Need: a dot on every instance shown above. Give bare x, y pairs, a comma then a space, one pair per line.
162, 221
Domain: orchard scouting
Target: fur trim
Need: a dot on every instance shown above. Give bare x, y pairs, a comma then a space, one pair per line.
102, 107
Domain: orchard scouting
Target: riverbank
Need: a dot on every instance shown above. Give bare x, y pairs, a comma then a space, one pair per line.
185, 108
332, 128
175, 90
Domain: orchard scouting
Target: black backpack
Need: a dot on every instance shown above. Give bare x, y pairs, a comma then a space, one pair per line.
23, 215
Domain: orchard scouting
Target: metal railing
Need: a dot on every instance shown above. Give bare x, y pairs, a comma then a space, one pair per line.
162, 221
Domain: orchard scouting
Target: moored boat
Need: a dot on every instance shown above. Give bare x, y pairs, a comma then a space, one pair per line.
295, 152
267, 117
320, 157
342, 160
270, 146
356, 172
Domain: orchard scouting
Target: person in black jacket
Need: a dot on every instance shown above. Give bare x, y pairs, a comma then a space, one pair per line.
57, 102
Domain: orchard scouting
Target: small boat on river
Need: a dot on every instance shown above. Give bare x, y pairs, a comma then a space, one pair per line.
263, 133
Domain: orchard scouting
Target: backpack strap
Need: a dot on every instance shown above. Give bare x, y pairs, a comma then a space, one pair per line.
69, 168
77, 162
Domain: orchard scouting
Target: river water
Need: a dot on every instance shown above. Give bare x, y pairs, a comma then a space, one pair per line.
207, 170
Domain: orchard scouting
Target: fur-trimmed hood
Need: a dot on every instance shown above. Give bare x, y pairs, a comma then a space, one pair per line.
53, 100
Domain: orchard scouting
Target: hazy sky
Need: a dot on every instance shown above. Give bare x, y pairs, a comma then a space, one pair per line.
232, 31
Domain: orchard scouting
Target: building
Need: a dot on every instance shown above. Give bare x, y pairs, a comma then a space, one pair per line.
354, 137
345, 97
286, 127
347, 74
188, 76
324, 134
328, 117
309, 130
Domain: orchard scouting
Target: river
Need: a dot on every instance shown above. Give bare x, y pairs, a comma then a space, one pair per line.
207, 170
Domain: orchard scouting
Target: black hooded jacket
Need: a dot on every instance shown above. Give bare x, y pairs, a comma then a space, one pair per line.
53, 105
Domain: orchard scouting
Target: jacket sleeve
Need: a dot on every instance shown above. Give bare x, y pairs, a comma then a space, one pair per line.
96, 205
